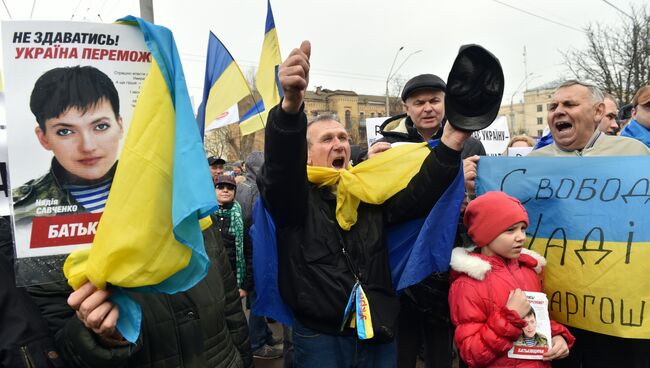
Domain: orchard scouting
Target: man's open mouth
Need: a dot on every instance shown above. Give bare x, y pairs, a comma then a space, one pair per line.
563, 125
338, 163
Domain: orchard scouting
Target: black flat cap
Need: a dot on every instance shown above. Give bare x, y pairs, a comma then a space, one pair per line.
422, 81
214, 160
625, 112
474, 89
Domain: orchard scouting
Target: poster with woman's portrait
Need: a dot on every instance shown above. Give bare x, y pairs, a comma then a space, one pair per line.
535, 338
70, 90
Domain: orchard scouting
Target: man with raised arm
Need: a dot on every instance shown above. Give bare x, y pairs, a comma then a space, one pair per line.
321, 264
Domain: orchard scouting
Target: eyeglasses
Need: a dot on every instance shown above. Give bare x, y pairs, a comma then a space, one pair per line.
225, 186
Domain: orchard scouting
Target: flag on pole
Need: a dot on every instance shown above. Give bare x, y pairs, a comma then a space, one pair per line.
266, 79
224, 83
150, 238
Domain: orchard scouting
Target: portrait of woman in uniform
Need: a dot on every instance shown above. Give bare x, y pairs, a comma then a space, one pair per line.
77, 111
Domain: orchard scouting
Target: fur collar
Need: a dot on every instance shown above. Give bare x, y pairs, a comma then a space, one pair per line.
463, 260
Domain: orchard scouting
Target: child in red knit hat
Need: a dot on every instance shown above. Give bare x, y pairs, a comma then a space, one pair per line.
487, 299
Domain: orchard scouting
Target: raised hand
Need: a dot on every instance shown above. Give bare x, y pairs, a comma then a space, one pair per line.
294, 77
454, 138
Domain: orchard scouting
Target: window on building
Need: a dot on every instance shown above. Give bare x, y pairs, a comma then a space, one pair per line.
539, 108
540, 121
540, 132
348, 119
314, 113
362, 116
372, 114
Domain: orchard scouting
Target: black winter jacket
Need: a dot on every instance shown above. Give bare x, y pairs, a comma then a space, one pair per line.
25, 340
202, 327
223, 223
314, 278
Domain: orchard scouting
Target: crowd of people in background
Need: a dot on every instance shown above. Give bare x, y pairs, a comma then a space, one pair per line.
473, 314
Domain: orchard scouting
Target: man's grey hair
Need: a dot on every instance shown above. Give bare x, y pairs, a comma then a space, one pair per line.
327, 116
611, 97
597, 95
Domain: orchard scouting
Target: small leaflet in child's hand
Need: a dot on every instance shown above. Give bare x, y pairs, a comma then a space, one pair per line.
535, 338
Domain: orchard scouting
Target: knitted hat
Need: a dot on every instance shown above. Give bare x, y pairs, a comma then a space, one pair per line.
490, 214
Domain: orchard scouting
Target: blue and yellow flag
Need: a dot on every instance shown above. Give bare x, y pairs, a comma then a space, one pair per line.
149, 238
266, 79
224, 83
589, 218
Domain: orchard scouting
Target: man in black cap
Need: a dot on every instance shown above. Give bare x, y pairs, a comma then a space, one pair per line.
424, 315
216, 167
424, 105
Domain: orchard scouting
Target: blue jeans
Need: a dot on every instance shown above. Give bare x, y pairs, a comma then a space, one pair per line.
259, 331
314, 349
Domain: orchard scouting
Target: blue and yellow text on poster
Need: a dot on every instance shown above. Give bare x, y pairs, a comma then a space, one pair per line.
589, 217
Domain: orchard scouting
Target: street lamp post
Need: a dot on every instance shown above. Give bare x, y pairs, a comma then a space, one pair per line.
512, 113
388, 80
391, 74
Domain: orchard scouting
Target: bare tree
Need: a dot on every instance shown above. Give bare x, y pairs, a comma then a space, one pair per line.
228, 143
395, 91
215, 143
617, 59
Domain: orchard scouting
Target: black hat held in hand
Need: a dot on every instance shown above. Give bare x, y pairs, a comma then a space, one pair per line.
474, 89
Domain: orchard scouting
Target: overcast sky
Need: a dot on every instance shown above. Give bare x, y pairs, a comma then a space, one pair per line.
354, 42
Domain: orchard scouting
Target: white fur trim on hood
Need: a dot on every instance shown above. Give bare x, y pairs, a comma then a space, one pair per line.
541, 261
463, 261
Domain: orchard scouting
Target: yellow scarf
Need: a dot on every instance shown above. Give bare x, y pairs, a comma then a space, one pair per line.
372, 181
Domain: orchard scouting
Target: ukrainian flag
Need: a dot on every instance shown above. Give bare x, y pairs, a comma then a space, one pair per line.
266, 79
224, 83
149, 237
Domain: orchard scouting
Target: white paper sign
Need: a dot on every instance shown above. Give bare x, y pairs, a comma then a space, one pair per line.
495, 137
373, 126
519, 151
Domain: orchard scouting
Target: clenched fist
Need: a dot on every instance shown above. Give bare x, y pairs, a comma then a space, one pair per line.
294, 77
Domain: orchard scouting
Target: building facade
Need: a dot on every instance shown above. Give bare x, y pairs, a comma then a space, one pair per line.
351, 108
529, 117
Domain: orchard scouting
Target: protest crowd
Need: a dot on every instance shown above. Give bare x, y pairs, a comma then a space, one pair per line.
404, 255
